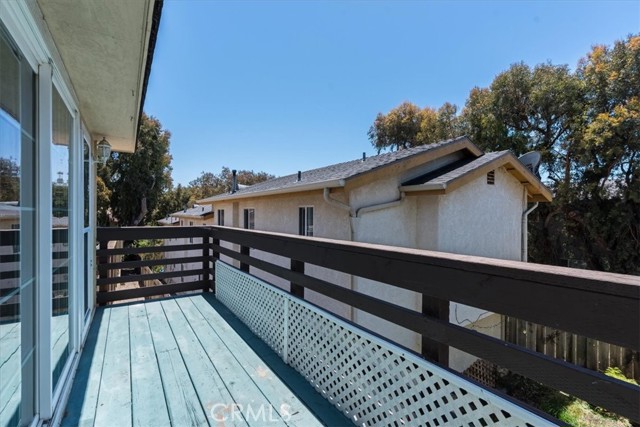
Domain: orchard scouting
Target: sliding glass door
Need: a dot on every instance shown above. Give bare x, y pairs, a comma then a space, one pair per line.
17, 236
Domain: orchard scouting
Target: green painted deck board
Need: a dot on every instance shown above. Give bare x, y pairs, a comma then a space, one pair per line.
182, 400
218, 330
145, 373
168, 362
81, 409
245, 392
210, 387
114, 399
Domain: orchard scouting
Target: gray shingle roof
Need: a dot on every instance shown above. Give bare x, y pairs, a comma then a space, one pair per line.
334, 172
195, 211
445, 175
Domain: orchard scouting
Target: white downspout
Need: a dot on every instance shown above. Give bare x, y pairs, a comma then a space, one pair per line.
524, 253
340, 205
381, 206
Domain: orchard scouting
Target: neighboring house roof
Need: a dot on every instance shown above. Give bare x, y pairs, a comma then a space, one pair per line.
197, 211
335, 175
168, 221
338, 174
449, 178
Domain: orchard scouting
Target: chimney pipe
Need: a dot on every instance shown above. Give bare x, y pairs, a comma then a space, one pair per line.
299, 176
234, 181
364, 156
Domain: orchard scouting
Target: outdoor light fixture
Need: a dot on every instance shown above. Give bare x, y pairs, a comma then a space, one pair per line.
103, 150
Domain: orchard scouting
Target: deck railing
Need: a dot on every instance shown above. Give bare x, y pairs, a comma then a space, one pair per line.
597, 305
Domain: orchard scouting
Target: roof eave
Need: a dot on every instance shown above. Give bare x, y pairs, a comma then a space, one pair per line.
336, 183
537, 191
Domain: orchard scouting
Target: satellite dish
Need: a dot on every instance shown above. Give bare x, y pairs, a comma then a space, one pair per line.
532, 161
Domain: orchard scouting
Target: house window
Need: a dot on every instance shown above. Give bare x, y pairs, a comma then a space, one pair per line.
249, 219
220, 216
305, 221
491, 177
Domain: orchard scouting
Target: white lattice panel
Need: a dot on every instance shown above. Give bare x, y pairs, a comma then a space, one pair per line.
261, 308
373, 382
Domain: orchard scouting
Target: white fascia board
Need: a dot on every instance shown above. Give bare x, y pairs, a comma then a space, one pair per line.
424, 187
336, 183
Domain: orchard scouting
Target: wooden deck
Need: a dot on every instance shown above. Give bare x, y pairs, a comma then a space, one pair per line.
186, 361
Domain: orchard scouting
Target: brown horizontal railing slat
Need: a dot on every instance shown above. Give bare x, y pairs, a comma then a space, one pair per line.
150, 249
150, 233
102, 282
154, 262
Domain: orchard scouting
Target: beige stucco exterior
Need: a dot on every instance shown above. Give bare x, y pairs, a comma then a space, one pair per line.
475, 219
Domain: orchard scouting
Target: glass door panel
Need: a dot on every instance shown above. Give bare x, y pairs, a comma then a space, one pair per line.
61, 211
17, 237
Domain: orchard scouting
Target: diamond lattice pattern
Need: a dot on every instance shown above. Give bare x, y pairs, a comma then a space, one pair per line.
372, 381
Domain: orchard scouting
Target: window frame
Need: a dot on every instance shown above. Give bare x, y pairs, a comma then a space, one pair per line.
249, 217
305, 227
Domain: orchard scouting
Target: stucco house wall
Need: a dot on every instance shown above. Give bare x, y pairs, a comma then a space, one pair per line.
441, 202
279, 214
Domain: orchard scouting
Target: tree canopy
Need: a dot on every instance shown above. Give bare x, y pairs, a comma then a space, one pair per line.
206, 185
130, 185
585, 123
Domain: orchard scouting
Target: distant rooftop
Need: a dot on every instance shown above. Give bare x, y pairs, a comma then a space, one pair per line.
197, 211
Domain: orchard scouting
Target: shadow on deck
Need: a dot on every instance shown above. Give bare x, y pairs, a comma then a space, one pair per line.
186, 361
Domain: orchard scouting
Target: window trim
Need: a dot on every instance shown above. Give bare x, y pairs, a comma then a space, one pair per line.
304, 229
249, 218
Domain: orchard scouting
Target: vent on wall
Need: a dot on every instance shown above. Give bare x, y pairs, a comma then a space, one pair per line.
491, 177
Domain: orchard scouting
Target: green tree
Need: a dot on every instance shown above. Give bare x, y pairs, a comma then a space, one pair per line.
137, 181
586, 124
408, 126
209, 184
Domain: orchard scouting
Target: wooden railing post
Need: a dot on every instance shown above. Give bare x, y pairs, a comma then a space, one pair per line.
245, 250
295, 289
206, 262
215, 255
432, 350
103, 272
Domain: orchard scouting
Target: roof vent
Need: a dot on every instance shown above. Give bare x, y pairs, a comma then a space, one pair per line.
203, 209
491, 177
234, 181
299, 176
364, 156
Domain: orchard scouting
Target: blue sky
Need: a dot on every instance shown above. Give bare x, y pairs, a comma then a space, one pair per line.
293, 85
